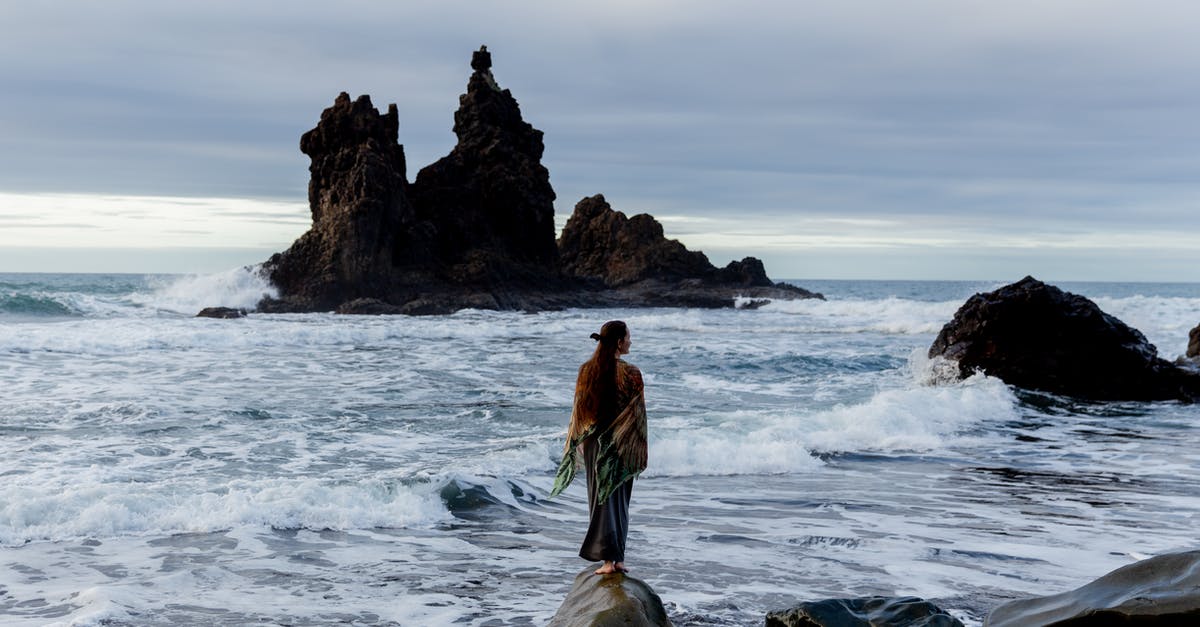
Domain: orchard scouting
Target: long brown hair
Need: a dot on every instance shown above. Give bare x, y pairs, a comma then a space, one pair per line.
596, 389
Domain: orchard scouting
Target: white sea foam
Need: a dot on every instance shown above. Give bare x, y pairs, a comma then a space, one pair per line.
888, 315
239, 288
91, 509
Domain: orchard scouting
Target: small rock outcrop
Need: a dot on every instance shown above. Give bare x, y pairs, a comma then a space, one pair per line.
1162, 590
633, 256
221, 312
864, 612
616, 600
1036, 336
1193, 349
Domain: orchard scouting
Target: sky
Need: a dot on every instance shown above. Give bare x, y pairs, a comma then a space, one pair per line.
850, 139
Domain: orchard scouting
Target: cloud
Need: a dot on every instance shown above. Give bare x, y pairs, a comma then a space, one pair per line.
1076, 115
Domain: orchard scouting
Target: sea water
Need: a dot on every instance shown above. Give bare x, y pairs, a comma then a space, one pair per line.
161, 469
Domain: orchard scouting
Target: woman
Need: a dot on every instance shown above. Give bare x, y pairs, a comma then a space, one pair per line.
608, 430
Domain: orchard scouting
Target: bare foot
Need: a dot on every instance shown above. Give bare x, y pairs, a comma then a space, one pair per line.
621, 567
607, 569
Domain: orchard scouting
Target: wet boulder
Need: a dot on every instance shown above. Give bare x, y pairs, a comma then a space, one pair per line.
864, 612
610, 601
1036, 336
221, 312
1162, 590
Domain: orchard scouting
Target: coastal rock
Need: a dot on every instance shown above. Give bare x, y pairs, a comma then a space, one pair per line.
490, 199
360, 212
221, 312
864, 612
634, 257
610, 601
1036, 336
476, 228
1162, 590
1193, 348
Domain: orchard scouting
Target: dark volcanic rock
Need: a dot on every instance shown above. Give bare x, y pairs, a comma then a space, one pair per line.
1036, 336
477, 221
361, 214
633, 256
476, 228
1163, 590
864, 612
490, 198
610, 601
221, 312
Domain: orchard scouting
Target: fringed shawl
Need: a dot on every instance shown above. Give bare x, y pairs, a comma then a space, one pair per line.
621, 451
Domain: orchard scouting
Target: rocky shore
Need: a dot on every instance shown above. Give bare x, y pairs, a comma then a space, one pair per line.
476, 228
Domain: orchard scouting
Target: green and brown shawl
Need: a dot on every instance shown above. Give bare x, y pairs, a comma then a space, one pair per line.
621, 445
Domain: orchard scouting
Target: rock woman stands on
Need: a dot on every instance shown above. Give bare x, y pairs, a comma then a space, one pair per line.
608, 431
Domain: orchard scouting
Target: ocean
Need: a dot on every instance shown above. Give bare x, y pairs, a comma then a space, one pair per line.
161, 469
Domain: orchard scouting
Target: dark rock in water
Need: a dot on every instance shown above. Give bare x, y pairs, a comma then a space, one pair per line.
633, 257
864, 612
1036, 336
221, 312
489, 201
600, 243
1162, 590
610, 601
361, 214
481, 218
476, 228
1193, 349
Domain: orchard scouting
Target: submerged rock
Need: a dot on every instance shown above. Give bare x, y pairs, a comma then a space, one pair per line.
864, 612
610, 601
1161, 590
1036, 336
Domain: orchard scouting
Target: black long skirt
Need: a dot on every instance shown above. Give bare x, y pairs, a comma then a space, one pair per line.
609, 524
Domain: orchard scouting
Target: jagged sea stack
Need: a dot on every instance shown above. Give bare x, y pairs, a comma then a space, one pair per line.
491, 197
356, 193
476, 229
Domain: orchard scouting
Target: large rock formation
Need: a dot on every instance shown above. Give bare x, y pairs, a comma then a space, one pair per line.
360, 211
864, 612
1036, 336
476, 228
616, 600
1162, 590
490, 198
633, 258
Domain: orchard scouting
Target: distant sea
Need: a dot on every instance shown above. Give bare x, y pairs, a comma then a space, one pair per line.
161, 469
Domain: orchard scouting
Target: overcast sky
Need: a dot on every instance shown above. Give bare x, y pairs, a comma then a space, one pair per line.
922, 139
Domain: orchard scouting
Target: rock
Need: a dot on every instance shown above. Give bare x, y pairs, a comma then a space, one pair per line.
1161, 590
610, 601
864, 612
634, 257
363, 222
221, 312
490, 200
476, 228
1193, 349
602, 244
1036, 336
